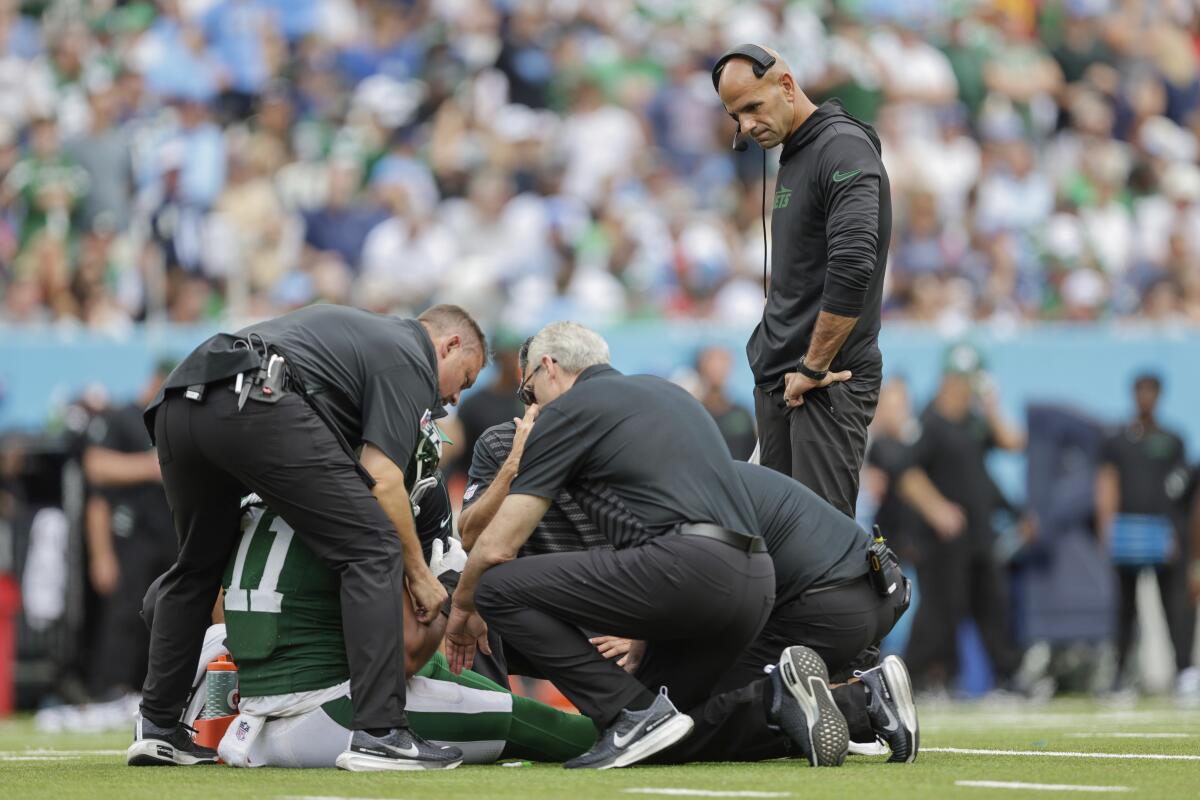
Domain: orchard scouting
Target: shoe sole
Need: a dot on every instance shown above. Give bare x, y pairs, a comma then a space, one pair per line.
154, 753
806, 677
676, 729
895, 673
361, 762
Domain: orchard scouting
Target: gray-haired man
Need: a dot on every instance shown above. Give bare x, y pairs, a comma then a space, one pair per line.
693, 576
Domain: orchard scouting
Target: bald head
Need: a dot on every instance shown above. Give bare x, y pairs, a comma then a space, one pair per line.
742, 68
766, 109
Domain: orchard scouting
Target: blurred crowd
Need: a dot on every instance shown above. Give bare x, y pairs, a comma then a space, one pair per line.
187, 160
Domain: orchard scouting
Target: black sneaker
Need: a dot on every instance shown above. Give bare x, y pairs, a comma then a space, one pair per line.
803, 708
891, 709
636, 735
166, 747
400, 749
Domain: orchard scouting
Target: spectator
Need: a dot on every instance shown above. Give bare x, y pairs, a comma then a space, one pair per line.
1141, 482
338, 229
46, 187
104, 152
541, 158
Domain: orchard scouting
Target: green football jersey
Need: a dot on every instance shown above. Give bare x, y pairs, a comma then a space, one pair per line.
283, 616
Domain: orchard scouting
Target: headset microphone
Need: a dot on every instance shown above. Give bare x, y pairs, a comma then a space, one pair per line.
760, 61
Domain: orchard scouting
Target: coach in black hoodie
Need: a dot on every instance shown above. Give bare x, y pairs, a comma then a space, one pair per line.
815, 355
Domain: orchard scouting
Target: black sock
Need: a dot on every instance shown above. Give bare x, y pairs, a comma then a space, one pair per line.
851, 700
642, 701
377, 732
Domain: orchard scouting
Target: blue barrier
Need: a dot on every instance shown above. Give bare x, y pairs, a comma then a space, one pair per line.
1088, 367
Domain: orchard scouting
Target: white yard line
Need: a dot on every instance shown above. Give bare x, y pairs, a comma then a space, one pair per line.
1041, 787
54, 755
703, 792
1059, 754
1129, 735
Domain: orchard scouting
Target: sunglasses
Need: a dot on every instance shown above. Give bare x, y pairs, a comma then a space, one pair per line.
525, 390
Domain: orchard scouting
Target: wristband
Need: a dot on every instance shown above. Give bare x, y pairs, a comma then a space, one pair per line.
811, 374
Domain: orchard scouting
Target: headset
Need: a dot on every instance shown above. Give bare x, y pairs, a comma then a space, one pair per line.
760, 61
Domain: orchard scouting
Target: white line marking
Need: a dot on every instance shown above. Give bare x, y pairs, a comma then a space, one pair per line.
40, 751
1130, 735
1056, 754
704, 793
1041, 787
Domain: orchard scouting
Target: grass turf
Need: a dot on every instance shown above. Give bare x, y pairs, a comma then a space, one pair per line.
39, 765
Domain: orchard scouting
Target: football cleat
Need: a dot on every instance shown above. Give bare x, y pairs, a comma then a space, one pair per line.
400, 749
636, 735
803, 707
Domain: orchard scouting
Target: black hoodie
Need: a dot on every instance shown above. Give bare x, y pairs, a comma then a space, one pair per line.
829, 235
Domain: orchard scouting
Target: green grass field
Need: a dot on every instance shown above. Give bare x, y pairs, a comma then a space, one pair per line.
34, 765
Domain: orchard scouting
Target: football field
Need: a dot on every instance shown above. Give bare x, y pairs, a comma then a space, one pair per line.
1067, 748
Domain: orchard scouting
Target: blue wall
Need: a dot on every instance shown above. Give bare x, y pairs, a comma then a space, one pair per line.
1087, 367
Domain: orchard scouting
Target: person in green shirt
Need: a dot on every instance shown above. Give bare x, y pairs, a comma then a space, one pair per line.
46, 186
283, 628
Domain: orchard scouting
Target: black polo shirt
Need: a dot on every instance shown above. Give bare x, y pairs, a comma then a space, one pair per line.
138, 509
1151, 468
563, 529
953, 453
374, 376
811, 542
648, 441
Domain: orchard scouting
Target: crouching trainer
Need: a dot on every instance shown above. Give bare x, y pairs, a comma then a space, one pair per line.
692, 577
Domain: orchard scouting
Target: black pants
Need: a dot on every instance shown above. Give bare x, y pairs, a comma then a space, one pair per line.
1180, 613
839, 624
821, 443
958, 579
121, 650
696, 602
211, 454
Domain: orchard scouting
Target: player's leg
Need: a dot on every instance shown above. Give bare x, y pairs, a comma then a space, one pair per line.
310, 740
536, 732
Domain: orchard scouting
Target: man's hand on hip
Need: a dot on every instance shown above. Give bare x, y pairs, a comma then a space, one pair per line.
796, 385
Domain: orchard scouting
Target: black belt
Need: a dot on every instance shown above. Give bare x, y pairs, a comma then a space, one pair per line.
750, 544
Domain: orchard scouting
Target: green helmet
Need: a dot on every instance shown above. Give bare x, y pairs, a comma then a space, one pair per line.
427, 455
